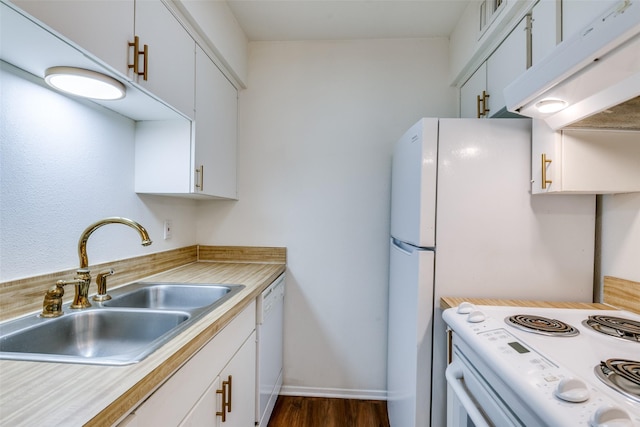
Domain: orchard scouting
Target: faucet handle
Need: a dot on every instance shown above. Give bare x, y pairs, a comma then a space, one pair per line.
52, 304
101, 281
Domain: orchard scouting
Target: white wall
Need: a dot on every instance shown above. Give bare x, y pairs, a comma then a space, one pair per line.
65, 164
317, 126
621, 236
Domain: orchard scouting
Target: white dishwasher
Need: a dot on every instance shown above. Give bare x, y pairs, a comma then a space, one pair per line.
269, 331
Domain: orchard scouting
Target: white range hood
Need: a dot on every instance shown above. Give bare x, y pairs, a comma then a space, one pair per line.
596, 73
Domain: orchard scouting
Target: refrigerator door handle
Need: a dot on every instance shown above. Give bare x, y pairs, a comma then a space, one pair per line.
402, 247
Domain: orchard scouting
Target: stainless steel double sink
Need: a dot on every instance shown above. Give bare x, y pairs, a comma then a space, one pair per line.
138, 320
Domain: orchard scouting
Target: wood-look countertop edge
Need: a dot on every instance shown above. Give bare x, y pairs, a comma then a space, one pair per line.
450, 302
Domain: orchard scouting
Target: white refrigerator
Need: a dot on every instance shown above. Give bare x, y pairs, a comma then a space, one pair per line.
464, 223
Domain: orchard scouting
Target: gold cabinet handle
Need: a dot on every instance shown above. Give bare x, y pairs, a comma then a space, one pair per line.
136, 55
226, 399
200, 178
485, 96
145, 53
229, 384
481, 104
545, 181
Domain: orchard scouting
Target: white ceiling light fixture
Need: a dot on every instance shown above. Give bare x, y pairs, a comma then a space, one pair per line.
551, 105
85, 83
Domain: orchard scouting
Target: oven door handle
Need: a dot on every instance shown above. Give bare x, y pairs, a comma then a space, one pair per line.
455, 376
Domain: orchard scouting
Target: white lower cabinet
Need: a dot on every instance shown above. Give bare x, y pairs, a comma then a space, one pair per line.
230, 399
193, 396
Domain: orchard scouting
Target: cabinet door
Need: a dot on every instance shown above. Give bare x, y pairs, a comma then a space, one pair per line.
546, 27
505, 64
215, 131
171, 55
203, 414
241, 373
584, 161
471, 90
102, 27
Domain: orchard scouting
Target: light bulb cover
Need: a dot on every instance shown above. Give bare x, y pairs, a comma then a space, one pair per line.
551, 105
85, 83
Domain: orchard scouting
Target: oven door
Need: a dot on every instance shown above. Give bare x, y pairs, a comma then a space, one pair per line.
471, 400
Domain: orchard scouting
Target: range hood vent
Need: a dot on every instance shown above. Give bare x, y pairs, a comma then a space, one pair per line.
596, 73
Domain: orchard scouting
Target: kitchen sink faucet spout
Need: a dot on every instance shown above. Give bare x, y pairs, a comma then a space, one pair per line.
82, 243
82, 280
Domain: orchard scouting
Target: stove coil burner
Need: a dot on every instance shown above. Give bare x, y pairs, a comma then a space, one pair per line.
541, 325
621, 375
615, 326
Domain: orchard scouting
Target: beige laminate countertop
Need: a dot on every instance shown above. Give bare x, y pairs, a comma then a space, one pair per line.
448, 302
56, 394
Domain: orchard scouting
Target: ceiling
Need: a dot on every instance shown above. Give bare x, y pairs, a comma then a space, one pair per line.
278, 20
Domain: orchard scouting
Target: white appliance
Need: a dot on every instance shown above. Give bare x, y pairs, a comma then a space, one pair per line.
596, 69
463, 223
534, 367
269, 333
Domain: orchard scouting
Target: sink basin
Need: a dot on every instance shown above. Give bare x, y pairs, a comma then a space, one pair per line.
102, 336
138, 320
170, 296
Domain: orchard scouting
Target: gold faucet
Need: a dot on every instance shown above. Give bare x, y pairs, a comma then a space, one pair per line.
52, 305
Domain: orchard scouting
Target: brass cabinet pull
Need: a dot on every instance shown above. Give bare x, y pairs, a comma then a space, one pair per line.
229, 384
145, 52
226, 399
136, 54
200, 178
481, 104
545, 181
485, 96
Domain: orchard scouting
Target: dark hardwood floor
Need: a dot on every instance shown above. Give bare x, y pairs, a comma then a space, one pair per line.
293, 411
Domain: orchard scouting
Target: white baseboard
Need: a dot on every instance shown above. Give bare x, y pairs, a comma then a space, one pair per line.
340, 393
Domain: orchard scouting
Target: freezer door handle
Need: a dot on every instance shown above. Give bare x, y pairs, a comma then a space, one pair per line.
402, 247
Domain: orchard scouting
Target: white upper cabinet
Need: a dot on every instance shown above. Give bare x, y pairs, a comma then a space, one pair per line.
102, 27
584, 161
170, 56
473, 95
506, 63
215, 130
482, 95
105, 29
546, 17
196, 158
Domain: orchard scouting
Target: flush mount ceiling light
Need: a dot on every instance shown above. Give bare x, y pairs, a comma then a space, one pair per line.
85, 83
550, 105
